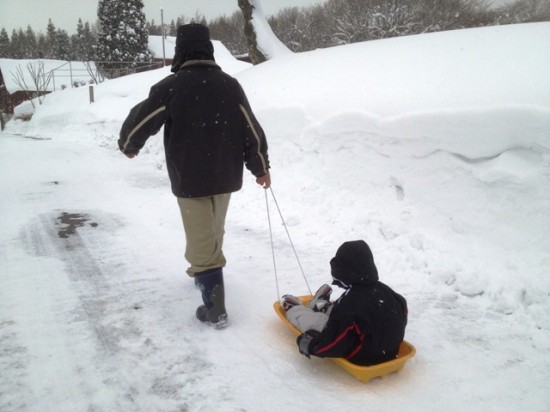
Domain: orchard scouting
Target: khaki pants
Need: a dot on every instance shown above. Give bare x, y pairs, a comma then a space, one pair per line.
204, 224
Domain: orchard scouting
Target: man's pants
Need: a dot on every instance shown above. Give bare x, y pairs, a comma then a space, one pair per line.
204, 224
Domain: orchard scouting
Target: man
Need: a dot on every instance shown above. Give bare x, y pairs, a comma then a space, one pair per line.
209, 133
366, 325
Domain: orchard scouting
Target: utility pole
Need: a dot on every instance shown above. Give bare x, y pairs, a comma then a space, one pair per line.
163, 36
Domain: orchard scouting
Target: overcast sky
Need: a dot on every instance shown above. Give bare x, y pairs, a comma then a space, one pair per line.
65, 13
15, 14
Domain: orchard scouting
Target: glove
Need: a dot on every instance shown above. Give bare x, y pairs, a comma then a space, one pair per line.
305, 340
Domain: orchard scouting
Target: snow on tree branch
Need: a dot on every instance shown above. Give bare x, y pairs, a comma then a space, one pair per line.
263, 43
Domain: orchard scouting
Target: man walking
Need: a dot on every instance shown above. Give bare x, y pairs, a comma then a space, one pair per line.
210, 132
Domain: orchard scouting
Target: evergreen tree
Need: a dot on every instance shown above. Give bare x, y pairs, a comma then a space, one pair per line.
17, 44
31, 46
173, 29
76, 40
88, 43
42, 46
83, 42
51, 39
62, 49
153, 29
4, 44
122, 33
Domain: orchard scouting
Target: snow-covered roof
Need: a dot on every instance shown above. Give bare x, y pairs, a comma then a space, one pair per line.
64, 73
155, 46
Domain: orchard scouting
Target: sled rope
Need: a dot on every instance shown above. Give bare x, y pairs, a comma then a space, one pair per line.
290, 240
272, 248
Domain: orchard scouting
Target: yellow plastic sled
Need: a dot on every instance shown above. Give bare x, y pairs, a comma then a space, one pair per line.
363, 373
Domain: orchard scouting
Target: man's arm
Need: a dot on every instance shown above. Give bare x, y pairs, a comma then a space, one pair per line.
256, 157
144, 120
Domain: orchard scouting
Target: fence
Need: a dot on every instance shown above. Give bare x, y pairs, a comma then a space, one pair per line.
36, 78
82, 73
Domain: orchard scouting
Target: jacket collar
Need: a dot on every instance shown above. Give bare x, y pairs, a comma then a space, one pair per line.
199, 63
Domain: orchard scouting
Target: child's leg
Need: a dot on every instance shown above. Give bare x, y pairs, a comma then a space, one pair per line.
305, 318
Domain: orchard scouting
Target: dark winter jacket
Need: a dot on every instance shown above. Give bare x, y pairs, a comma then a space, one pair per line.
367, 323
209, 128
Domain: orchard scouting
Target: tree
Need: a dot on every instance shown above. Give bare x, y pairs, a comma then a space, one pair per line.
123, 35
83, 42
230, 32
153, 29
173, 29
51, 40
524, 11
63, 49
31, 46
42, 46
303, 29
4, 43
40, 79
263, 44
256, 56
17, 44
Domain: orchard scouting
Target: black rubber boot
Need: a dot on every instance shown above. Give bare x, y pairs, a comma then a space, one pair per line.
211, 286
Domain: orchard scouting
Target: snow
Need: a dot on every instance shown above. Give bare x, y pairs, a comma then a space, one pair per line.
433, 148
155, 46
268, 43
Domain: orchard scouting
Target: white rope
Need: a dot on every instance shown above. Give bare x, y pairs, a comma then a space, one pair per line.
291, 244
272, 248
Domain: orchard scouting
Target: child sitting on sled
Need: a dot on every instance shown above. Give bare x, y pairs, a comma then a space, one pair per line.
366, 325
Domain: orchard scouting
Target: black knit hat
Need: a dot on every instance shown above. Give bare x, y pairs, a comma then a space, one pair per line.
192, 43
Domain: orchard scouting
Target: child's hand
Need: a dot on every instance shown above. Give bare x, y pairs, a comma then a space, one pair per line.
304, 341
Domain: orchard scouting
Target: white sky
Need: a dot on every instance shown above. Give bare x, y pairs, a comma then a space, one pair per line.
65, 13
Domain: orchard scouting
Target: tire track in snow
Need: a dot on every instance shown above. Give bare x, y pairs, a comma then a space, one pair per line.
48, 237
140, 366
57, 235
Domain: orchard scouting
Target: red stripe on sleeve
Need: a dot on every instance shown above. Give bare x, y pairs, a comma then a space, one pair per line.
352, 328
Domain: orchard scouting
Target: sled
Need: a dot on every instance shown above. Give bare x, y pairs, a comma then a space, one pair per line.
363, 373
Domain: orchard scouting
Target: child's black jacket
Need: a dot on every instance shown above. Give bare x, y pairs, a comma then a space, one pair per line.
367, 323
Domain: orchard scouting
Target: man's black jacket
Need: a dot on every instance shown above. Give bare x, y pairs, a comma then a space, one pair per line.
209, 130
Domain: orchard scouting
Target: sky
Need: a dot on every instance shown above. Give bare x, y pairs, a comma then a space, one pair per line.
65, 13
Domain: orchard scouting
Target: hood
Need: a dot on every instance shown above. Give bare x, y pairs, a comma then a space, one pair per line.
192, 43
353, 264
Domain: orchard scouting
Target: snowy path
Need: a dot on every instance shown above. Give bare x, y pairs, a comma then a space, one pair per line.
96, 313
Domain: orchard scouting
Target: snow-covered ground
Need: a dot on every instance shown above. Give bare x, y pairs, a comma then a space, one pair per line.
435, 149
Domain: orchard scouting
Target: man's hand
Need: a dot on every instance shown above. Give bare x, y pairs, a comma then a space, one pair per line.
132, 154
264, 181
